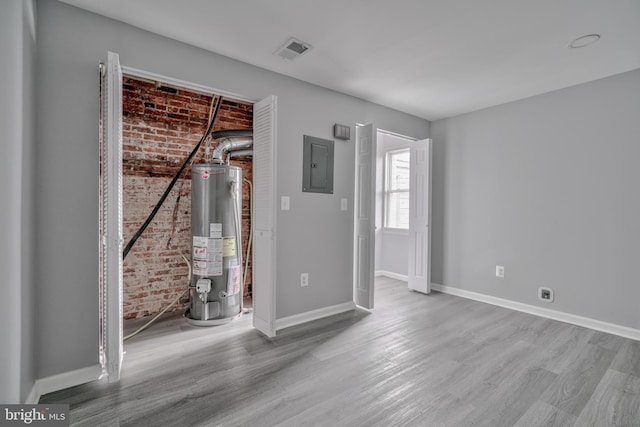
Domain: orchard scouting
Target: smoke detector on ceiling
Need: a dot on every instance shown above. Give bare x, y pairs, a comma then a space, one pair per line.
293, 49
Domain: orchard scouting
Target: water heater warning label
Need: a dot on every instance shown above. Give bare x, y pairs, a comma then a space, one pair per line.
207, 256
229, 246
215, 230
233, 282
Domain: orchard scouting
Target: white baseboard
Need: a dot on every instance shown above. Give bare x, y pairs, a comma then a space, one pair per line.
62, 381
574, 319
392, 275
308, 316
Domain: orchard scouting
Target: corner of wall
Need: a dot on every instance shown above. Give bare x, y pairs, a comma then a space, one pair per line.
27, 285
17, 127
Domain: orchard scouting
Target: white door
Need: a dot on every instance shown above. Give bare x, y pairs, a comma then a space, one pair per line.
264, 216
420, 216
364, 216
111, 217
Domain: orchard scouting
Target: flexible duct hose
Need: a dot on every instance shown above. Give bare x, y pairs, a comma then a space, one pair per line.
230, 144
228, 133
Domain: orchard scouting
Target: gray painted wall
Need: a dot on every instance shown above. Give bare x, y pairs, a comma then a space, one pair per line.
17, 49
27, 228
549, 188
10, 214
314, 236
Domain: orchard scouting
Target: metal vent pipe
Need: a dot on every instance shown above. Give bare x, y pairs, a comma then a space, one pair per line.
230, 145
239, 153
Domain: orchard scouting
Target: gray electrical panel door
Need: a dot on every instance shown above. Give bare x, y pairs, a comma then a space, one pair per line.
317, 171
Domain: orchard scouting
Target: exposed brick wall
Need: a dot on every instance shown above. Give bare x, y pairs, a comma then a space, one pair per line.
161, 126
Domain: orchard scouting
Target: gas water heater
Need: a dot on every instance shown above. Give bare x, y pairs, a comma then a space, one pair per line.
215, 291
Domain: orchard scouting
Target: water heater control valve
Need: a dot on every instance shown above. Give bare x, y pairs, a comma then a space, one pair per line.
203, 286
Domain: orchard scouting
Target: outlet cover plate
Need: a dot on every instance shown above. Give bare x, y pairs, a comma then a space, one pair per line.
500, 271
285, 203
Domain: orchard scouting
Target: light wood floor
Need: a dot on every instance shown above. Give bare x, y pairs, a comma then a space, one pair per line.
416, 360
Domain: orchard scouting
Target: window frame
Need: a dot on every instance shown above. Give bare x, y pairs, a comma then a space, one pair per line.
388, 191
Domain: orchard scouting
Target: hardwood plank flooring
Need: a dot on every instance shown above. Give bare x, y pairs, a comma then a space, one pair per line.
416, 360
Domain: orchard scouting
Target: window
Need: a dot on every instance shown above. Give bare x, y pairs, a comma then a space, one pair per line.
397, 189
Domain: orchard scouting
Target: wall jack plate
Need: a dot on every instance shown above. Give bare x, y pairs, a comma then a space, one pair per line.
545, 294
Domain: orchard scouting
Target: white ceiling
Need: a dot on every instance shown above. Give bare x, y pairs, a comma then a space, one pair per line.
430, 58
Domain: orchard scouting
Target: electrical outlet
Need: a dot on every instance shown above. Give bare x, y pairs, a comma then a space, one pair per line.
500, 271
304, 279
545, 294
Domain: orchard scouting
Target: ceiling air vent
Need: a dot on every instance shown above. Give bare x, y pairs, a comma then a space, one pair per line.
293, 49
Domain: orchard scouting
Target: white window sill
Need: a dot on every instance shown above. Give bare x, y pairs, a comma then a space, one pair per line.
400, 231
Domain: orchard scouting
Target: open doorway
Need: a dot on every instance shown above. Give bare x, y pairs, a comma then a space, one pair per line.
161, 123
391, 220
111, 216
392, 204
